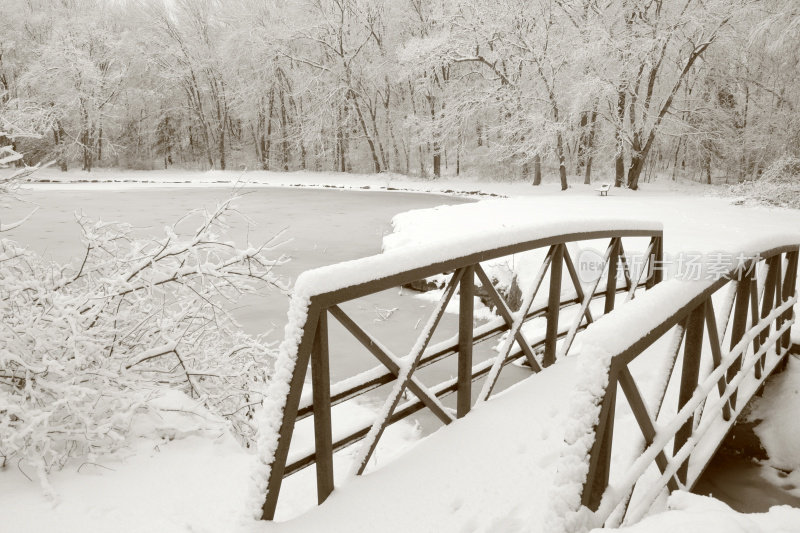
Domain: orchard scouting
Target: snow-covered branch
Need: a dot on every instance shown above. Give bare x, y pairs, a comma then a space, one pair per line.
85, 346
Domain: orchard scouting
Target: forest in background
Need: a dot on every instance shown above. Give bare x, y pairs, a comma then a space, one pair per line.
503, 89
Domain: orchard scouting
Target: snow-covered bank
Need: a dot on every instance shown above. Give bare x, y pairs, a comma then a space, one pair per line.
52, 178
183, 473
129, 179
777, 412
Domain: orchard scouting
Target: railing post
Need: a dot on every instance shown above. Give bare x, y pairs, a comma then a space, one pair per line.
278, 464
465, 334
768, 302
611, 281
600, 454
778, 297
656, 262
754, 320
739, 325
789, 289
553, 306
692, 350
321, 389
716, 353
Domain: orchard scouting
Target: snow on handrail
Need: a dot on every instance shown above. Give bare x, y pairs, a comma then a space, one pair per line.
316, 291
408, 261
610, 344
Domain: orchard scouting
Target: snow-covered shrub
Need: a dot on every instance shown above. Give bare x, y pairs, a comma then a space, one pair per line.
83, 347
778, 185
8, 156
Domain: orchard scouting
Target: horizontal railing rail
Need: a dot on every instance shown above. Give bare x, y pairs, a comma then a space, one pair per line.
320, 293
753, 319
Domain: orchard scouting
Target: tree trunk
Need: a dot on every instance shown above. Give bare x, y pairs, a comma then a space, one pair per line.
635, 170
587, 177
562, 167
537, 169
342, 140
619, 159
100, 144
375, 162
299, 115
583, 141
675, 159
284, 136
589, 148
222, 159
266, 141
437, 156
58, 139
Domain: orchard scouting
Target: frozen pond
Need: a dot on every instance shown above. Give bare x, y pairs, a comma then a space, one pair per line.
320, 227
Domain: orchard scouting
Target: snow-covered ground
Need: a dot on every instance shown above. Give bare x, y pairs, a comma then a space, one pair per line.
690, 513
200, 480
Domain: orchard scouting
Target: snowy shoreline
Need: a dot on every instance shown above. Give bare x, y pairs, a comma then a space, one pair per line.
465, 186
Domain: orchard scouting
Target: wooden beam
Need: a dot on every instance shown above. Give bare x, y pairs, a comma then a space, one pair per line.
675, 345
505, 312
740, 309
466, 317
278, 463
377, 429
395, 280
768, 302
600, 454
626, 273
479, 371
321, 390
611, 280
632, 289
789, 289
692, 351
716, 353
390, 361
643, 419
576, 282
754, 319
779, 284
514, 329
553, 307
588, 297
656, 261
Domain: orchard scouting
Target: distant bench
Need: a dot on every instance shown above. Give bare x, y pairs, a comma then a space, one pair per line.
603, 189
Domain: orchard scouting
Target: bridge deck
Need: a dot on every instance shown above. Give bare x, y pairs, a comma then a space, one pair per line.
487, 461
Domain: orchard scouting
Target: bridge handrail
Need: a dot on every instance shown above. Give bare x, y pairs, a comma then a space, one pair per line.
340, 282
607, 353
318, 293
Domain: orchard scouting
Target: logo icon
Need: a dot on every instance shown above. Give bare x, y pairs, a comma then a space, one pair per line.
591, 265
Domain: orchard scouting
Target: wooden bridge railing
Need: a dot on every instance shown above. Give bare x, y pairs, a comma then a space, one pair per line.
313, 343
746, 333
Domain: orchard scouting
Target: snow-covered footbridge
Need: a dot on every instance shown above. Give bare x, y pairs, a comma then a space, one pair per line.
604, 416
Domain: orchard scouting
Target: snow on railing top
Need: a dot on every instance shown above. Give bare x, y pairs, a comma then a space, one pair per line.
611, 337
450, 247
496, 241
620, 330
